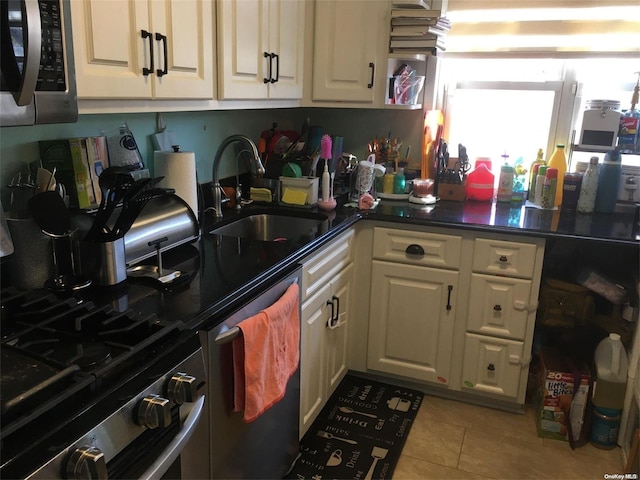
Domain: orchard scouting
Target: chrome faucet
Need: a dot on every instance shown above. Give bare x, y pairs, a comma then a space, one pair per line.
217, 189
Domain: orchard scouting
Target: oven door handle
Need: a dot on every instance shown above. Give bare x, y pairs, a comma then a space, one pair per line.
173, 450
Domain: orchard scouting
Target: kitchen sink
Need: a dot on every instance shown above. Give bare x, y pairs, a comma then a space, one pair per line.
275, 226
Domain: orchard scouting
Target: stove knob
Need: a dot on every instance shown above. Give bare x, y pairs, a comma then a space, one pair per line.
154, 411
182, 388
87, 463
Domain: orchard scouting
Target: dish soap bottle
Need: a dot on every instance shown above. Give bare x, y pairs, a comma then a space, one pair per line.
399, 181
558, 160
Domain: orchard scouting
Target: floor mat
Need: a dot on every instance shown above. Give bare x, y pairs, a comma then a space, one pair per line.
360, 432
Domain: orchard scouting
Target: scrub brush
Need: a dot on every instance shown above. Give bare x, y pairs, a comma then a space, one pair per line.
325, 151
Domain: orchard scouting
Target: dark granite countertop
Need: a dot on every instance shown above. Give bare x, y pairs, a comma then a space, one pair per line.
616, 227
225, 272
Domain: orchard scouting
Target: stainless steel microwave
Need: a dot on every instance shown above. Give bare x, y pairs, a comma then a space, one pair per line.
36, 58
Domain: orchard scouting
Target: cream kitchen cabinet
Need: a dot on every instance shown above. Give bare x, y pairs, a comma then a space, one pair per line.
413, 304
260, 49
503, 299
350, 44
143, 49
454, 309
326, 309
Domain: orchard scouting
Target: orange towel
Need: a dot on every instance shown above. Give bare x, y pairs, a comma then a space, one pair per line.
266, 355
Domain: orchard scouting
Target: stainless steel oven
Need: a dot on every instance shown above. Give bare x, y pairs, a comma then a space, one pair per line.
91, 392
37, 67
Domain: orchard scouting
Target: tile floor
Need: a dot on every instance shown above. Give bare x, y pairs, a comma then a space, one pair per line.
455, 440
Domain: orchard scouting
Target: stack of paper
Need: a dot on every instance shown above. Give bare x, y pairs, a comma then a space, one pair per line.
418, 29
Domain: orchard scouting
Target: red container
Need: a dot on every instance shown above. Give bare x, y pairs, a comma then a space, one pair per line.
480, 184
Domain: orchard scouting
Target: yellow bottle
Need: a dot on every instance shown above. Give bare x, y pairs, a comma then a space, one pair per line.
558, 160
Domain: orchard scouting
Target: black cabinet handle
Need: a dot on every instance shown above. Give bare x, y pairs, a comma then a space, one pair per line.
148, 71
497, 308
414, 249
268, 55
335, 310
163, 39
333, 313
372, 66
277, 57
491, 367
503, 258
450, 288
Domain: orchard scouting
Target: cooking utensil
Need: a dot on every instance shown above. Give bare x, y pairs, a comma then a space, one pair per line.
303, 133
114, 182
132, 207
351, 410
50, 213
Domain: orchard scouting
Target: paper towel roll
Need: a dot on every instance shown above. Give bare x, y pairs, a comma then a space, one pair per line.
179, 172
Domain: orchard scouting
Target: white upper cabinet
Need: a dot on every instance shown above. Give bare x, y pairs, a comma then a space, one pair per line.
260, 49
143, 49
349, 51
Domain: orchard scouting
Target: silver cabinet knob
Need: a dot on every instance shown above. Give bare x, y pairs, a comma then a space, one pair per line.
87, 463
154, 411
182, 388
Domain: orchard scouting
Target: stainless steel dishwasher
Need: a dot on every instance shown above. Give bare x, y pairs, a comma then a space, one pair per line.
267, 447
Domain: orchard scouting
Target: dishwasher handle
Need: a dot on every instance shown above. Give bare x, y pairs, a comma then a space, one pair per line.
227, 336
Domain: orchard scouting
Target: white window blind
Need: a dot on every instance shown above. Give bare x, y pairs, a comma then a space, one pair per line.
560, 28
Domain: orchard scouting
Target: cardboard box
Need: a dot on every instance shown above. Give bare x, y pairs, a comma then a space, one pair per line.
555, 394
78, 163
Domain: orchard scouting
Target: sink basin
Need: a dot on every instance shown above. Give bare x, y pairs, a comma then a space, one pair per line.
275, 226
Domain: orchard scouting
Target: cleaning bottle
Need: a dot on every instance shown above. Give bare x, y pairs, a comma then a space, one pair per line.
609, 179
610, 359
399, 181
480, 182
549, 188
542, 172
533, 171
558, 160
628, 132
588, 188
505, 183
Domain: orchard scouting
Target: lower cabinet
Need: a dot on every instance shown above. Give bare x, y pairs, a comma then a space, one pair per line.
454, 309
411, 320
324, 330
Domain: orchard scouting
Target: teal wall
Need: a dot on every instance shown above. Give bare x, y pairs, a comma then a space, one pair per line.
202, 132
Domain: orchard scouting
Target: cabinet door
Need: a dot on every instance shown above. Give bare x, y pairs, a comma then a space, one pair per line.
110, 52
312, 365
492, 365
286, 40
411, 321
336, 334
345, 53
499, 306
242, 29
187, 27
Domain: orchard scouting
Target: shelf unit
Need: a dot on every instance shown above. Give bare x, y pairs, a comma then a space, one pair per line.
425, 64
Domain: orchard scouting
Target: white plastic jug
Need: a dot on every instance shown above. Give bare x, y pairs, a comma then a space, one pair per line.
611, 373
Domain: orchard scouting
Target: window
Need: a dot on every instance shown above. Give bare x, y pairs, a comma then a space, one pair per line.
510, 106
